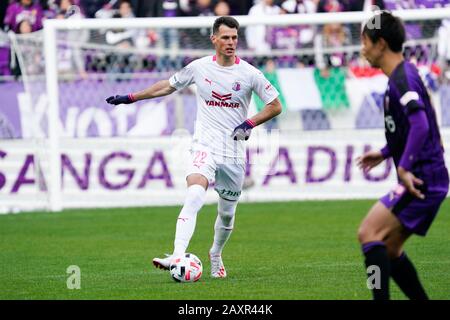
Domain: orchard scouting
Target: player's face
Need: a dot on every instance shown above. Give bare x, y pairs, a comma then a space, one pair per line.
225, 41
371, 51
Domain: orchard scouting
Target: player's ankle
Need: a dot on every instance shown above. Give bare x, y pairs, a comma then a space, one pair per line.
215, 252
177, 253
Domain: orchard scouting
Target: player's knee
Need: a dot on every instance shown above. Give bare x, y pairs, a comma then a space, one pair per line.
195, 197
365, 234
226, 217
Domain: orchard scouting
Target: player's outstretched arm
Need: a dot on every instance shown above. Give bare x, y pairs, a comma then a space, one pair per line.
159, 89
243, 131
271, 110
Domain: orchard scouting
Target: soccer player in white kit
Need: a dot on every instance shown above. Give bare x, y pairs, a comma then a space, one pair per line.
224, 88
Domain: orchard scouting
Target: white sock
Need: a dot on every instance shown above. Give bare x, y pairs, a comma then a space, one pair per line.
187, 218
224, 225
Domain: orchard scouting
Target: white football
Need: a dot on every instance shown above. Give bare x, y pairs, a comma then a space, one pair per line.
186, 268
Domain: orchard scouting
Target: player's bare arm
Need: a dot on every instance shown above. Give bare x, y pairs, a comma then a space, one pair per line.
158, 89
270, 111
243, 131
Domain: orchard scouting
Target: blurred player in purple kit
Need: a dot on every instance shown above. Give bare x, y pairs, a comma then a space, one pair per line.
414, 143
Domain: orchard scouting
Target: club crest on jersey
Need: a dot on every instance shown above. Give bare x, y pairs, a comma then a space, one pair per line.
236, 86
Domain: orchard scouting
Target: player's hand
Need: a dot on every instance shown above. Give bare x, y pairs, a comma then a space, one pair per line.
243, 131
369, 160
121, 99
410, 182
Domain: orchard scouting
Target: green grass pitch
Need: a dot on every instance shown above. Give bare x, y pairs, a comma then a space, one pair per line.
288, 251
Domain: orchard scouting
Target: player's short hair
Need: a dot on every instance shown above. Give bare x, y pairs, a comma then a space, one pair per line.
226, 20
390, 28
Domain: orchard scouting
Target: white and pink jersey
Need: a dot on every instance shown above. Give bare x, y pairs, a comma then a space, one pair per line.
223, 98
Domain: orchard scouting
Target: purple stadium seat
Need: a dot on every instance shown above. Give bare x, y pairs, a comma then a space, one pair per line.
315, 119
370, 114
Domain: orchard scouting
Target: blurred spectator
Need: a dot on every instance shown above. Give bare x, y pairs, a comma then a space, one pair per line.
186, 7
240, 7
333, 35
168, 8
122, 38
399, 4
169, 36
444, 49
70, 55
362, 5
304, 33
3, 6
257, 35
90, 7
199, 38
24, 27
23, 10
299, 6
202, 8
68, 9
49, 8
118, 61
330, 6
52, 7
222, 8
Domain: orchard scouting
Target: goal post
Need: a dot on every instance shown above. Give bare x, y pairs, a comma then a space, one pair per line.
51, 72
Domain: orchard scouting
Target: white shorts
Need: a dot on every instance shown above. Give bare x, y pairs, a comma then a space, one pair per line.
226, 173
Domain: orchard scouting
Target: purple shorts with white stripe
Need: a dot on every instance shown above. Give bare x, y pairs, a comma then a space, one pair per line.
415, 214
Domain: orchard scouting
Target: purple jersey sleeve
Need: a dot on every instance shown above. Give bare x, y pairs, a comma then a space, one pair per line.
386, 152
410, 89
417, 135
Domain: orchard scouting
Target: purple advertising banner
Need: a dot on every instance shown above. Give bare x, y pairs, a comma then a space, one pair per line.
85, 113
10, 125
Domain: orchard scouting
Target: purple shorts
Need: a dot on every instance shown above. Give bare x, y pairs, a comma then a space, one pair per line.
415, 214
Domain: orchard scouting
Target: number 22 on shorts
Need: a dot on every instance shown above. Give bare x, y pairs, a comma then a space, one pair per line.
199, 158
